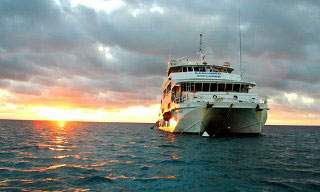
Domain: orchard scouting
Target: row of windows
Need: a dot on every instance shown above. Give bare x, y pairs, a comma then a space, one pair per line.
214, 87
200, 69
189, 69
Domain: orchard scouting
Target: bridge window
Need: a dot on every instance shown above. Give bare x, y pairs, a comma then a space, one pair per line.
202, 69
185, 69
190, 69
196, 68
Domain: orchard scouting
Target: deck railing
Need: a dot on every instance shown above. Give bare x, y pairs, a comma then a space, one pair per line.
217, 99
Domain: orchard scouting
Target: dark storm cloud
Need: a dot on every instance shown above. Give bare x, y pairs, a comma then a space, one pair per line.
118, 58
19, 67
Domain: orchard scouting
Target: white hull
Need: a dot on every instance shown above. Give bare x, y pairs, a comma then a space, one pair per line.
220, 119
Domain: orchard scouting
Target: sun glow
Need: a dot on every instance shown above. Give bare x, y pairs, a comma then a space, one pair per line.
61, 124
63, 113
56, 114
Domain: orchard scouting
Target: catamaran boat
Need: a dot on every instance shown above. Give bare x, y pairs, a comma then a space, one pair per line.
210, 100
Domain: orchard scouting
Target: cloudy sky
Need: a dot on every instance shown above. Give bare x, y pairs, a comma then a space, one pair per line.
105, 60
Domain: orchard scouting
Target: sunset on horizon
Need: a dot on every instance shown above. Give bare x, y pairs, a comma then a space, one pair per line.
105, 61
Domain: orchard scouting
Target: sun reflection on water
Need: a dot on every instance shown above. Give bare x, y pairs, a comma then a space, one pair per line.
61, 124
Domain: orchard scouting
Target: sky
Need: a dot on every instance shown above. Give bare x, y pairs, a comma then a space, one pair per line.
105, 60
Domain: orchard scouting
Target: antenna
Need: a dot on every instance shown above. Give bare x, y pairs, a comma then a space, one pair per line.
200, 49
240, 46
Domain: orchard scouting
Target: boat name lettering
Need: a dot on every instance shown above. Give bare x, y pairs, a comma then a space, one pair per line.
208, 74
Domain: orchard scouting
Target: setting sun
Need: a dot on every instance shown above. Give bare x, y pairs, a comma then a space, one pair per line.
61, 124
54, 113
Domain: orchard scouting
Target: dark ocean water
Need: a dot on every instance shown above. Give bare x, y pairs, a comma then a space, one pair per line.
42, 155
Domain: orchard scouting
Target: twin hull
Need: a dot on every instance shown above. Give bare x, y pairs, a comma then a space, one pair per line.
215, 120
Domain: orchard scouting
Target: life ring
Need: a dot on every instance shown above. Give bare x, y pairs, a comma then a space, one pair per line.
214, 96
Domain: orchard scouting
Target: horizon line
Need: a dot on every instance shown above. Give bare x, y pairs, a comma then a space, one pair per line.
88, 121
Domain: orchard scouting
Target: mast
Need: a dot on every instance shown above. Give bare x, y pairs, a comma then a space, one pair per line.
202, 55
240, 46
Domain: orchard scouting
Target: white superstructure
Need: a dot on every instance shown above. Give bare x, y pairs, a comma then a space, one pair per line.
202, 97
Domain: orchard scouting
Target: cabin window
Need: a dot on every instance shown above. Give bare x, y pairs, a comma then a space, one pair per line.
205, 87
184, 88
221, 87
236, 87
213, 87
185, 69
192, 87
188, 88
198, 86
196, 68
190, 69
202, 69
242, 88
228, 87
246, 88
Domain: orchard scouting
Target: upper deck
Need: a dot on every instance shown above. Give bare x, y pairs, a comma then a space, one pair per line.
182, 70
183, 65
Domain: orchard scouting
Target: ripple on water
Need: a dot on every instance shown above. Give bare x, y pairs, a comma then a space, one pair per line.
93, 179
132, 157
170, 146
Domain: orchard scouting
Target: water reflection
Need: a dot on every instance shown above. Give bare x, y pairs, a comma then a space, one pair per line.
170, 137
54, 136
